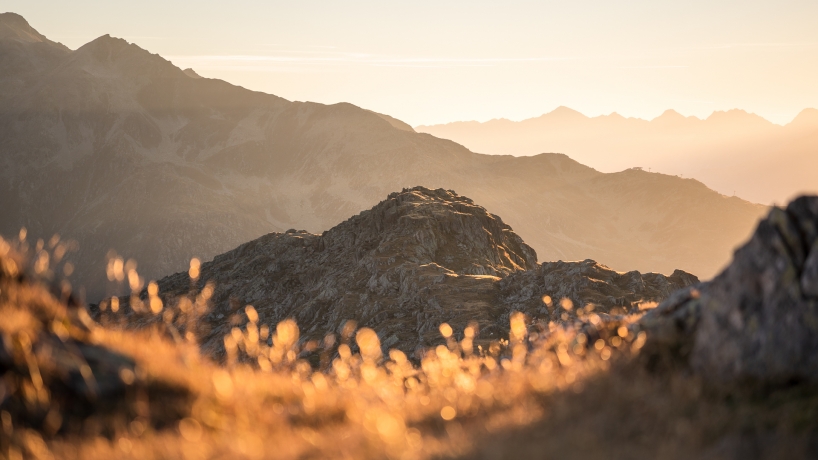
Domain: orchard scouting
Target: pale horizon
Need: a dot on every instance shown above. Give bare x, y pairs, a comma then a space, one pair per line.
649, 118
430, 63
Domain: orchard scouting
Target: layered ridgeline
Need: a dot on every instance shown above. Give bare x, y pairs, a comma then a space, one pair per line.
117, 148
417, 259
733, 152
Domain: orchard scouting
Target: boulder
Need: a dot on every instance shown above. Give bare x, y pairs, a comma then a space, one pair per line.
756, 321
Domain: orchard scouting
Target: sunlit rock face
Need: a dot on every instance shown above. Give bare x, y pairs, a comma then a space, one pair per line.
757, 320
589, 283
417, 259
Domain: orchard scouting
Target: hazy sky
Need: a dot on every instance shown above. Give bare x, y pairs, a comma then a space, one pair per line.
437, 61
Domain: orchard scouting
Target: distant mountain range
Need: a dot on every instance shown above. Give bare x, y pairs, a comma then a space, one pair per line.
732, 152
117, 148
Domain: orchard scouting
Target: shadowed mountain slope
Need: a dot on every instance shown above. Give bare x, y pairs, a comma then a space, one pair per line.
732, 152
116, 147
24, 53
419, 258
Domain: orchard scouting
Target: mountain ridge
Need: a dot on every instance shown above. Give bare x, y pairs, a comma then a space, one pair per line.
564, 111
14, 26
732, 151
123, 150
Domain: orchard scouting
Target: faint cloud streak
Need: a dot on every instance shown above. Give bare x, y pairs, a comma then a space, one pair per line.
321, 57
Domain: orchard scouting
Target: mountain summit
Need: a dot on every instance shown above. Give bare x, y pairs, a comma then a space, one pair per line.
417, 259
25, 55
15, 27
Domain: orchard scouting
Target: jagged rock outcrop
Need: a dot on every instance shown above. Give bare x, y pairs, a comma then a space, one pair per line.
588, 283
757, 320
417, 259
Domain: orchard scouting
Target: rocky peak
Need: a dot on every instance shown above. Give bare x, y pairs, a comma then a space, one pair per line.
15, 27
107, 50
417, 259
107, 54
424, 226
105, 44
24, 55
191, 73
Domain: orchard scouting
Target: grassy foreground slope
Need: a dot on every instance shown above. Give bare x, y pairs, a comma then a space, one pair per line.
71, 388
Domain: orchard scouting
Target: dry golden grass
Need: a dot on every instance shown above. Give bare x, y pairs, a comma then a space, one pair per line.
552, 393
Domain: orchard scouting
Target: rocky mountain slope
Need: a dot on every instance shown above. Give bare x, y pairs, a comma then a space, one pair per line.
417, 259
733, 152
117, 148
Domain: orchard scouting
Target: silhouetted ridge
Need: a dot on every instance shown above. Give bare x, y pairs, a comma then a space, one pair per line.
738, 116
669, 116
15, 27
25, 55
734, 152
106, 45
191, 73
564, 113
395, 122
128, 58
807, 118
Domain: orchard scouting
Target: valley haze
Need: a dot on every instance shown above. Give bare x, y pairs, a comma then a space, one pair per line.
732, 152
